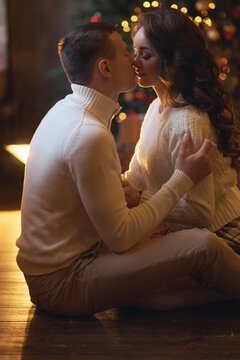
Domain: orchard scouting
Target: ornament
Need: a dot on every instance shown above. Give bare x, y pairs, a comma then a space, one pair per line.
97, 17
229, 31
141, 96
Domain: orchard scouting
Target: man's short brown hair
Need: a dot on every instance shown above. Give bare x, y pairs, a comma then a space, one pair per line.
79, 49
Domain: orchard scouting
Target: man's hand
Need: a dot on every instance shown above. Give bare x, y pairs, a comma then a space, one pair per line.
132, 196
197, 165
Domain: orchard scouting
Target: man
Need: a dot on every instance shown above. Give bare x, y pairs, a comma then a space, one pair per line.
81, 249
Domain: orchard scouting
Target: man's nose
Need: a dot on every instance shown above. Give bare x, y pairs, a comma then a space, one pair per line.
131, 57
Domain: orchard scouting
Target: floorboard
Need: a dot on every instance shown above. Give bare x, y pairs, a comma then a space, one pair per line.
199, 333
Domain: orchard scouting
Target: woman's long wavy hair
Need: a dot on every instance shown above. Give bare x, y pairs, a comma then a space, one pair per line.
191, 68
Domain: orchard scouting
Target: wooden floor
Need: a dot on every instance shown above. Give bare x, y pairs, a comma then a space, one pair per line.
204, 332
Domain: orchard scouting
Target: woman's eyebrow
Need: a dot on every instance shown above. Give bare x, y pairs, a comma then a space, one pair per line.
144, 48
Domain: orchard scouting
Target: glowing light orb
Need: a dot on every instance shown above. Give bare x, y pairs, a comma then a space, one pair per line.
124, 23
184, 10
146, 4
134, 18
211, 6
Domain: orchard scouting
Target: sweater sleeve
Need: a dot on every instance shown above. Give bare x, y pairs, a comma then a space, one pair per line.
96, 172
197, 207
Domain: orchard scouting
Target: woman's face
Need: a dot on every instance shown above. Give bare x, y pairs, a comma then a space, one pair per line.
146, 61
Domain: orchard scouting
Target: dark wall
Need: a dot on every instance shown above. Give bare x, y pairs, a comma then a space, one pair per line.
35, 28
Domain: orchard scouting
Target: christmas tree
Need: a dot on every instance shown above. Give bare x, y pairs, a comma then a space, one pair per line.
220, 21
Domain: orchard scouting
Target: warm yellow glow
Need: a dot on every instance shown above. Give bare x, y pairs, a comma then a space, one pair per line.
174, 6
211, 6
224, 60
124, 23
134, 18
207, 21
19, 151
146, 4
155, 4
222, 76
184, 10
126, 29
122, 116
198, 19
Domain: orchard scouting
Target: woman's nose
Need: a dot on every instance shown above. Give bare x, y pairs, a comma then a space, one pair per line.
136, 62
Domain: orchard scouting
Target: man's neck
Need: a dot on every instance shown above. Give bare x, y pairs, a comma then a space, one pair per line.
105, 90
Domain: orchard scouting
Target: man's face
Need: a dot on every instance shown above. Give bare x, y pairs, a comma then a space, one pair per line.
122, 70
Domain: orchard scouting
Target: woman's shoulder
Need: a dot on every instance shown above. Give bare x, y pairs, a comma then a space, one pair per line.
189, 114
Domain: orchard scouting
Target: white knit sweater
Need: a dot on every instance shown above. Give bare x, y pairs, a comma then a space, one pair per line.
211, 203
73, 197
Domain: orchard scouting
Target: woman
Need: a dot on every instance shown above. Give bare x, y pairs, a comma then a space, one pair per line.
171, 57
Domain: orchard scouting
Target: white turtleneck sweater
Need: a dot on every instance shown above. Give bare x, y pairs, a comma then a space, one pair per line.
211, 203
73, 197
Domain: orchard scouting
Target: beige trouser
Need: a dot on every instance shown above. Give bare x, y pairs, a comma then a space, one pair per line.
138, 277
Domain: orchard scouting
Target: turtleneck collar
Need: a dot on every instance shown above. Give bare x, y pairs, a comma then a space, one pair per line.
98, 104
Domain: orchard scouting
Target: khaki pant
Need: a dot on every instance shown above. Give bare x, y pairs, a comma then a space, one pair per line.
140, 277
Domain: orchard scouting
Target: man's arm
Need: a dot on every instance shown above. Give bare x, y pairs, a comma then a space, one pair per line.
95, 169
196, 166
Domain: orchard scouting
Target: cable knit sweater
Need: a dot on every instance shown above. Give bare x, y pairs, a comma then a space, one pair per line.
73, 197
211, 203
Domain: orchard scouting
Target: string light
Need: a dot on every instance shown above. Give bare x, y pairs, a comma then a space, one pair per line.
207, 21
122, 116
155, 4
184, 10
134, 18
174, 6
198, 19
146, 4
126, 29
211, 6
125, 23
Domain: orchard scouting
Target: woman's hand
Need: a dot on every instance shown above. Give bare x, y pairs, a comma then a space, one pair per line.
199, 164
132, 196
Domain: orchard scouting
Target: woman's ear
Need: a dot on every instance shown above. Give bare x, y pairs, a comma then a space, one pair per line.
104, 68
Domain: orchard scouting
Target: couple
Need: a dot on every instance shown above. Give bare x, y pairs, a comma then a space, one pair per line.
82, 249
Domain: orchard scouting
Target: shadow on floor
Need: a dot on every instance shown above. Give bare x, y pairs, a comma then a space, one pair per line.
202, 332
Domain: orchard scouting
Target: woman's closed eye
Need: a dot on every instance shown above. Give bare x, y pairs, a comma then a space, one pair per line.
146, 57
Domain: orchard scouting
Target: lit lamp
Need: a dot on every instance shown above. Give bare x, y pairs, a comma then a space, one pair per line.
19, 151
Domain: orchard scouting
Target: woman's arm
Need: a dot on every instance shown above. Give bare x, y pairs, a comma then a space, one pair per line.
195, 209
